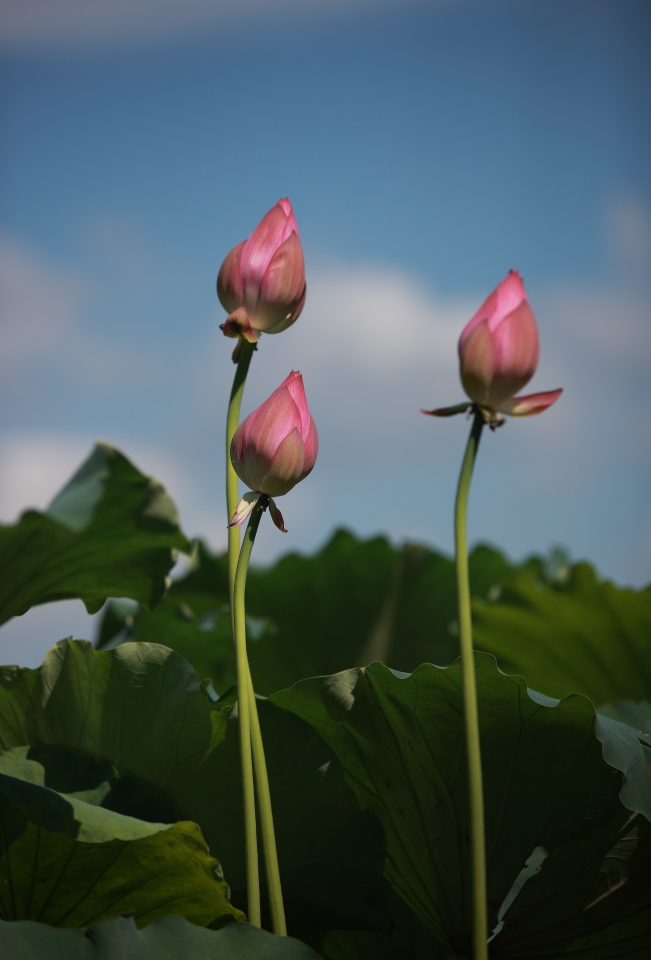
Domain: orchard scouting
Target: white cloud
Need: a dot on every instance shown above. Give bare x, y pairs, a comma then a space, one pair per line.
67, 23
375, 345
607, 325
43, 309
35, 466
629, 231
40, 306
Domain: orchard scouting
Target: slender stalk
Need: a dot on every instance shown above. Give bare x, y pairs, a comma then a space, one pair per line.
244, 700
477, 839
262, 780
232, 420
255, 742
272, 869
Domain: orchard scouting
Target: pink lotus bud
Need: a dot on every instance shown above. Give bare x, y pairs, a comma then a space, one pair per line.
498, 351
276, 446
264, 277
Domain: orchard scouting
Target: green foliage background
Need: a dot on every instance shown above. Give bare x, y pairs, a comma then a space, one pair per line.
119, 771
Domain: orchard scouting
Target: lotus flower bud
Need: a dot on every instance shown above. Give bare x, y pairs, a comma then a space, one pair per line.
498, 349
275, 447
498, 353
261, 282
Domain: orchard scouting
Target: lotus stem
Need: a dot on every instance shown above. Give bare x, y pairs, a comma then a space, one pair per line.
244, 700
251, 742
256, 747
245, 350
272, 868
469, 683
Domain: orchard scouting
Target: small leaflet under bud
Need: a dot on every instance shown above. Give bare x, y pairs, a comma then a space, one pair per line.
447, 411
276, 516
239, 325
244, 508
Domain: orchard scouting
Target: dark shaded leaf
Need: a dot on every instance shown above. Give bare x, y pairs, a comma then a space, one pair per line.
591, 898
66, 861
169, 938
353, 602
136, 718
401, 742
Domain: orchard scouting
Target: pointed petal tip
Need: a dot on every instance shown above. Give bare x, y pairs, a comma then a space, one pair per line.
276, 515
530, 405
447, 411
243, 509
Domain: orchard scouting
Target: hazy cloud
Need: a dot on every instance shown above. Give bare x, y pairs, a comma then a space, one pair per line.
374, 345
43, 309
70, 23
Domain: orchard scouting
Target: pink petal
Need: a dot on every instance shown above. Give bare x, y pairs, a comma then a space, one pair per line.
508, 295
258, 250
311, 444
282, 287
276, 515
291, 219
294, 383
516, 343
447, 411
529, 405
239, 325
229, 280
286, 466
478, 360
244, 508
259, 436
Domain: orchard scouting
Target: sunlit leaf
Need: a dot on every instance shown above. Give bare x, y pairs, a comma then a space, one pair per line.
111, 532
66, 861
580, 635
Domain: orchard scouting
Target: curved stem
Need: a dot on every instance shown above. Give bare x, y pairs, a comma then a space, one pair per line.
256, 745
244, 698
477, 839
256, 748
232, 421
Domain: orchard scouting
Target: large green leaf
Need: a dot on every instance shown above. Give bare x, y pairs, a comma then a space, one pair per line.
136, 719
170, 938
68, 862
353, 602
356, 601
111, 532
591, 899
401, 742
581, 635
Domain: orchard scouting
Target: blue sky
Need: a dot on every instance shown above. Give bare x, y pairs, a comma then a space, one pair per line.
427, 148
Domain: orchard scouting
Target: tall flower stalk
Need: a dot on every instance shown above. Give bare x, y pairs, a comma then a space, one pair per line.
251, 747
245, 353
469, 682
498, 355
261, 284
271, 451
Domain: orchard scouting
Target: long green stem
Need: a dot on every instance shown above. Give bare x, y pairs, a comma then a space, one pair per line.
244, 699
477, 839
272, 869
232, 421
262, 780
255, 742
